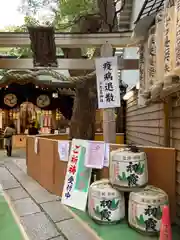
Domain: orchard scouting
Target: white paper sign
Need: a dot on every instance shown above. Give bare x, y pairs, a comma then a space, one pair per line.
63, 150
36, 145
77, 180
106, 155
95, 155
107, 82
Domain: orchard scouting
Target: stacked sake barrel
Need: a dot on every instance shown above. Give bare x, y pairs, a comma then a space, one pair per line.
128, 173
106, 205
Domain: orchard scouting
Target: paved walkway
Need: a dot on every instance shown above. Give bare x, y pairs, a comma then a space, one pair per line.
41, 213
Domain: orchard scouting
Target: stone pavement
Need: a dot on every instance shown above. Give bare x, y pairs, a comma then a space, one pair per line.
42, 215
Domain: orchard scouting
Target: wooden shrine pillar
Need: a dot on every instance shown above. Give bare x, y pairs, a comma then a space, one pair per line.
109, 119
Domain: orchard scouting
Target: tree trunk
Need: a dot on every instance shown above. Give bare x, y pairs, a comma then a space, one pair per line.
84, 113
85, 103
82, 124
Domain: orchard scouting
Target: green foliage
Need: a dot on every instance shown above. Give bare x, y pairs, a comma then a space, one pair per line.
75, 8
64, 12
21, 51
31, 7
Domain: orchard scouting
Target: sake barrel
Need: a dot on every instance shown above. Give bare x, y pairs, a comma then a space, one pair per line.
177, 37
106, 205
128, 170
169, 42
145, 209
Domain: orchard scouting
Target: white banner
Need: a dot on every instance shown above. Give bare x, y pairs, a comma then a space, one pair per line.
107, 82
77, 180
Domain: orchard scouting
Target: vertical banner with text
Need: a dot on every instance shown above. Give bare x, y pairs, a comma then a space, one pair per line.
107, 82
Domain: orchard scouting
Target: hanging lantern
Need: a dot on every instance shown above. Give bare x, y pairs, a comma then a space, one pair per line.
177, 38
169, 42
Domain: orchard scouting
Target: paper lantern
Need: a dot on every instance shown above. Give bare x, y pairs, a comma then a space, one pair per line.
169, 43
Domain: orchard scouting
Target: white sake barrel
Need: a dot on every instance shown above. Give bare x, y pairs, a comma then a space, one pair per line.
169, 43
106, 205
128, 170
177, 38
145, 209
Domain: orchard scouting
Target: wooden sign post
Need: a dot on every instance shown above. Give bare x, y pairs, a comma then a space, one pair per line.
108, 91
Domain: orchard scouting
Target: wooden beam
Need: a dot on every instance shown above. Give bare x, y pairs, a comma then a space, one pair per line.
74, 40
63, 64
167, 117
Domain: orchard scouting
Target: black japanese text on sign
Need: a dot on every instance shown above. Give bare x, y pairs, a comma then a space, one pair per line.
108, 82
